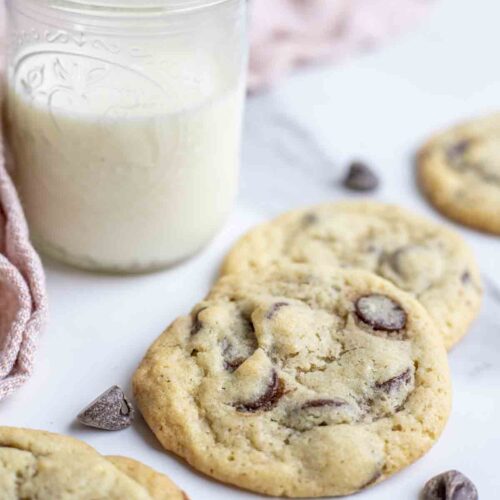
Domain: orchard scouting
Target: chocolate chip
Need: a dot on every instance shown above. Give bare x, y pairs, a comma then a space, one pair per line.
456, 151
111, 411
360, 177
197, 325
248, 326
381, 312
466, 278
451, 485
309, 219
321, 403
320, 413
275, 308
233, 364
232, 361
274, 390
396, 382
394, 259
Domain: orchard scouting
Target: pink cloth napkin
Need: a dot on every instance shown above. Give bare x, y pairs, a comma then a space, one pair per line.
290, 33
23, 303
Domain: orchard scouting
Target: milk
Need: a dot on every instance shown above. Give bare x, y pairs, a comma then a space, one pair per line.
116, 172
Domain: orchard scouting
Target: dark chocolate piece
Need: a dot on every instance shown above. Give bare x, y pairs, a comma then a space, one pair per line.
321, 403
275, 308
360, 177
197, 324
310, 219
272, 394
450, 485
396, 382
111, 411
456, 152
381, 312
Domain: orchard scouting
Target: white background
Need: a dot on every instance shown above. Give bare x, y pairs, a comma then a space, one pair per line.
378, 107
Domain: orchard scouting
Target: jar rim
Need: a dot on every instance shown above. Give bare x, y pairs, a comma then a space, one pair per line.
126, 7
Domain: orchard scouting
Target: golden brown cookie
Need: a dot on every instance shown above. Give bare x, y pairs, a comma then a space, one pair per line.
300, 381
459, 171
428, 260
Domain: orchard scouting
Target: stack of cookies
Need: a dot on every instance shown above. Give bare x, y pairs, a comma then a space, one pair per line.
317, 364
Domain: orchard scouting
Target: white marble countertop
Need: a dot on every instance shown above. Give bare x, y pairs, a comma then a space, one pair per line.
298, 138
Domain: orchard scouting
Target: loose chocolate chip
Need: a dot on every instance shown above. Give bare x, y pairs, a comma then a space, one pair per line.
268, 400
396, 382
381, 312
197, 324
111, 411
321, 403
456, 151
310, 219
451, 485
275, 308
360, 177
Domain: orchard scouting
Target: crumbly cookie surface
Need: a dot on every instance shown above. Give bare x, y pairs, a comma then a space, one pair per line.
46, 466
459, 171
418, 256
298, 381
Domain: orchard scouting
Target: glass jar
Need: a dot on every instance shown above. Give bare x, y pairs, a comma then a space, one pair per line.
124, 120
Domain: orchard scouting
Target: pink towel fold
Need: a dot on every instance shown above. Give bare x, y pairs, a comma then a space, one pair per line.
23, 303
290, 33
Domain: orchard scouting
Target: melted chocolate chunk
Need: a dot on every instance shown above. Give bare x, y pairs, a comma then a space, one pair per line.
466, 278
197, 325
247, 324
274, 390
456, 155
310, 219
235, 353
394, 259
231, 360
451, 485
396, 382
275, 308
321, 403
360, 177
233, 364
111, 411
456, 152
381, 312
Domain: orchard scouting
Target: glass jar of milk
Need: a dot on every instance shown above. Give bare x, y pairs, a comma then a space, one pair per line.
124, 121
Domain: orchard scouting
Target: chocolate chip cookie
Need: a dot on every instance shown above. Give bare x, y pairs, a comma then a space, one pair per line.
426, 259
459, 171
300, 381
46, 466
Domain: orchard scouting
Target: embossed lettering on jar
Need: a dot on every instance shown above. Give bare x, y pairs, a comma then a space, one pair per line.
124, 119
